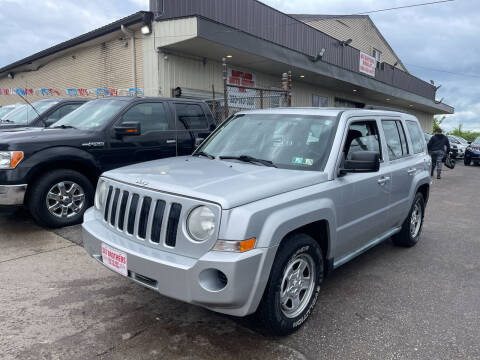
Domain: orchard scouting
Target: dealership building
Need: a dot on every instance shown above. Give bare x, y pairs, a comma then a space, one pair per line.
179, 46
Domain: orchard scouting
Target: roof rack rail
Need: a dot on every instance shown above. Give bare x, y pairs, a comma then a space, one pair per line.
378, 107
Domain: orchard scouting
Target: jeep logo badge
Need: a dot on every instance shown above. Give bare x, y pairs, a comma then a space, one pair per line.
141, 182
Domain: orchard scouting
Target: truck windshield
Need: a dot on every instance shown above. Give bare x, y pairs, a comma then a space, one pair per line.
92, 115
288, 141
5, 110
25, 115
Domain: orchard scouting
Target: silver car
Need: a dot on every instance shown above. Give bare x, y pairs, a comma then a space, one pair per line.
265, 208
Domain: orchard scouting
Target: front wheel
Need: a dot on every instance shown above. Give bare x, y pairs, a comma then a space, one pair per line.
293, 287
467, 161
60, 198
412, 226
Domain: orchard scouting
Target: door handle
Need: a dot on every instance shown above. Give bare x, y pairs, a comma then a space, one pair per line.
412, 171
171, 141
383, 180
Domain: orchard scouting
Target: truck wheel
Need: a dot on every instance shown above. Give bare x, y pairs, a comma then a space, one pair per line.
293, 287
412, 226
467, 161
59, 198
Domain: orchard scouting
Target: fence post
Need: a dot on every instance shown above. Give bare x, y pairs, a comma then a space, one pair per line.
285, 86
213, 103
289, 89
225, 91
261, 98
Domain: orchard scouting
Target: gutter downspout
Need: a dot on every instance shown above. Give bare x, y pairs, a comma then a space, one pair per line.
130, 33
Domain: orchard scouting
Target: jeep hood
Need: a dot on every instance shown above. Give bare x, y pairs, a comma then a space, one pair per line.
228, 183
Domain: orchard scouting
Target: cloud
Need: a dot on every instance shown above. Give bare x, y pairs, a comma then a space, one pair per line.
427, 38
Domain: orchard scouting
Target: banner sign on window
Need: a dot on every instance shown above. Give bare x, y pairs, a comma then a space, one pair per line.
368, 64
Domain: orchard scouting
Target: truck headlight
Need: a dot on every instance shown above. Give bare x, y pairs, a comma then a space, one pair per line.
100, 194
201, 223
10, 159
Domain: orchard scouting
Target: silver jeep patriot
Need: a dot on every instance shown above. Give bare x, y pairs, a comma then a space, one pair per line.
265, 208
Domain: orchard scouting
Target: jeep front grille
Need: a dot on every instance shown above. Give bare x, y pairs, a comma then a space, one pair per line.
138, 212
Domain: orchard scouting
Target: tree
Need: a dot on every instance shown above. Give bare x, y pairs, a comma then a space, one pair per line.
437, 122
466, 134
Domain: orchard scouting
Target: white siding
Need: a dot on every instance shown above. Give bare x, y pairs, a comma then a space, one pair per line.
106, 64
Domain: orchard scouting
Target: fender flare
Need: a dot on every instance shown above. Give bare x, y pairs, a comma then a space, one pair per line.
43, 158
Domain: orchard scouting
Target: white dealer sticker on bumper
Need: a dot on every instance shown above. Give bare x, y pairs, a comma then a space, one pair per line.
114, 259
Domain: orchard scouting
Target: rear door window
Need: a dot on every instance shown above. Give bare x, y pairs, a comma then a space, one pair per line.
395, 139
151, 116
190, 117
418, 142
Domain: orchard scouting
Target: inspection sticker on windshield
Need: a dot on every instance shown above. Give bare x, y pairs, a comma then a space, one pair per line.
302, 161
114, 259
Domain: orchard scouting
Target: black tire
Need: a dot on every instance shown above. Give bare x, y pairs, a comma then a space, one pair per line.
467, 161
293, 249
405, 237
37, 199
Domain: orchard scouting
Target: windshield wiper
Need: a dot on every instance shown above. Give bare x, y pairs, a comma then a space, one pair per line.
202, 153
63, 127
249, 159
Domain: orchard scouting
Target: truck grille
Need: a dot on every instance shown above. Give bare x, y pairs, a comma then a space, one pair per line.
138, 212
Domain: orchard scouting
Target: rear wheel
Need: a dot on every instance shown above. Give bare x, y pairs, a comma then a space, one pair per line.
59, 198
293, 287
412, 226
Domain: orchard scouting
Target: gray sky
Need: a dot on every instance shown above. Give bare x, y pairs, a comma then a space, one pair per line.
433, 41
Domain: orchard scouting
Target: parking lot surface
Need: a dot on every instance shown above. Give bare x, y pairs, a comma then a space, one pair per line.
389, 303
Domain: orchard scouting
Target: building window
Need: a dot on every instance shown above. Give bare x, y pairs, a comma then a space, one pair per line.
319, 101
377, 54
339, 102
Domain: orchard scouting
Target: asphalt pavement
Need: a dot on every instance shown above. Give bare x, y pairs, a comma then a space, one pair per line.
389, 303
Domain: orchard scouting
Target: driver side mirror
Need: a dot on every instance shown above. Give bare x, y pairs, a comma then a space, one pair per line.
131, 128
361, 162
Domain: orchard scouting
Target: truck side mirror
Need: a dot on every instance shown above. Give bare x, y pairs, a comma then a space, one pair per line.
130, 128
362, 162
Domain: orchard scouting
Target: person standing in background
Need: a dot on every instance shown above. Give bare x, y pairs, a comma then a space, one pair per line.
437, 146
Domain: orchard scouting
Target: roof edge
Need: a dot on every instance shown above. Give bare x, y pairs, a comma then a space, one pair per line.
104, 30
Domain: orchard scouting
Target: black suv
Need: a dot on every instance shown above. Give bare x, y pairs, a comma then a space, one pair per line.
46, 113
54, 170
472, 153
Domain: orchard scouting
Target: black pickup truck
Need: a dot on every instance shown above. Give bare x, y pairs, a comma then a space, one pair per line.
41, 113
54, 170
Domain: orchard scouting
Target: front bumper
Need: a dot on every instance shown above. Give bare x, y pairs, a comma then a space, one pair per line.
12, 194
184, 278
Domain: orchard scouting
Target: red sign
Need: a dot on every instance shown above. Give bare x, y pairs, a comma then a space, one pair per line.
368, 64
241, 78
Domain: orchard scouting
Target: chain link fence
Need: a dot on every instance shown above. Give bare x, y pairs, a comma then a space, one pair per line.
240, 98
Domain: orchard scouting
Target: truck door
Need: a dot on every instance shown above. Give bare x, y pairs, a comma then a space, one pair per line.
156, 139
192, 126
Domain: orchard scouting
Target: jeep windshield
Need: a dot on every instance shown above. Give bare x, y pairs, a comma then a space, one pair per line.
26, 114
92, 115
287, 141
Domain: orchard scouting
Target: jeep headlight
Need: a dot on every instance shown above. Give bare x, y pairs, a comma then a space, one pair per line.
100, 194
10, 159
201, 223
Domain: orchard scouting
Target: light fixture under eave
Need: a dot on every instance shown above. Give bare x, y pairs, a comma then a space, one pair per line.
410, 105
229, 56
11, 75
146, 30
355, 90
302, 76
387, 99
